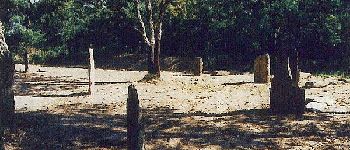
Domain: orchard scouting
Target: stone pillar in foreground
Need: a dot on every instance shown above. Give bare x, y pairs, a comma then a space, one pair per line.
7, 70
262, 69
198, 66
7, 102
285, 96
135, 135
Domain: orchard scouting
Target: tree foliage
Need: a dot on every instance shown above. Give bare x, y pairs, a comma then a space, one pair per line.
237, 29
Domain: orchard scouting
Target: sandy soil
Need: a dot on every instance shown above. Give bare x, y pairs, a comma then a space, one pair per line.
46, 86
183, 112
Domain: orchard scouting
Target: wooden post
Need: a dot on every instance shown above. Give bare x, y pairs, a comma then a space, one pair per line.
262, 69
91, 72
198, 66
135, 135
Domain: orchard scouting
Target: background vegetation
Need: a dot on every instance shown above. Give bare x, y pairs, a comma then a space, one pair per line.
59, 31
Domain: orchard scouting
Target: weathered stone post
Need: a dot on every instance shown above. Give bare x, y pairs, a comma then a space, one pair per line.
285, 96
262, 69
7, 70
294, 68
198, 66
135, 135
91, 72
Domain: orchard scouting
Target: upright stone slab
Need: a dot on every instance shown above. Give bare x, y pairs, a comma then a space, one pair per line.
262, 69
7, 69
285, 97
91, 72
198, 66
135, 134
294, 67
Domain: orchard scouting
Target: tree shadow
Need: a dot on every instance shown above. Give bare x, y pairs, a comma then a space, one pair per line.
41, 86
238, 83
246, 129
77, 126
35, 85
63, 95
80, 129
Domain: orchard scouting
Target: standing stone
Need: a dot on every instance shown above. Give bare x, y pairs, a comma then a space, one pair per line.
91, 72
7, 69
285, 97
294, 67
7, 102
198, 66
262, 69
135, 134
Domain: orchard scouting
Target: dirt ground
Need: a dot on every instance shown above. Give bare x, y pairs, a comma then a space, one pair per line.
182, 112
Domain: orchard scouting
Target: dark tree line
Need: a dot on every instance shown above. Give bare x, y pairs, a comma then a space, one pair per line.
59, 31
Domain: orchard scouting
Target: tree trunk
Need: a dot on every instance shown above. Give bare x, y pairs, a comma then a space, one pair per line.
157, 54
151, 62
26, 60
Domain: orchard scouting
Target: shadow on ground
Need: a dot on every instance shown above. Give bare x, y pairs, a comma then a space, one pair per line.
81, 126
31, 84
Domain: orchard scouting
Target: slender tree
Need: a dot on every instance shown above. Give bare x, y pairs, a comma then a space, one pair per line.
152, 33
